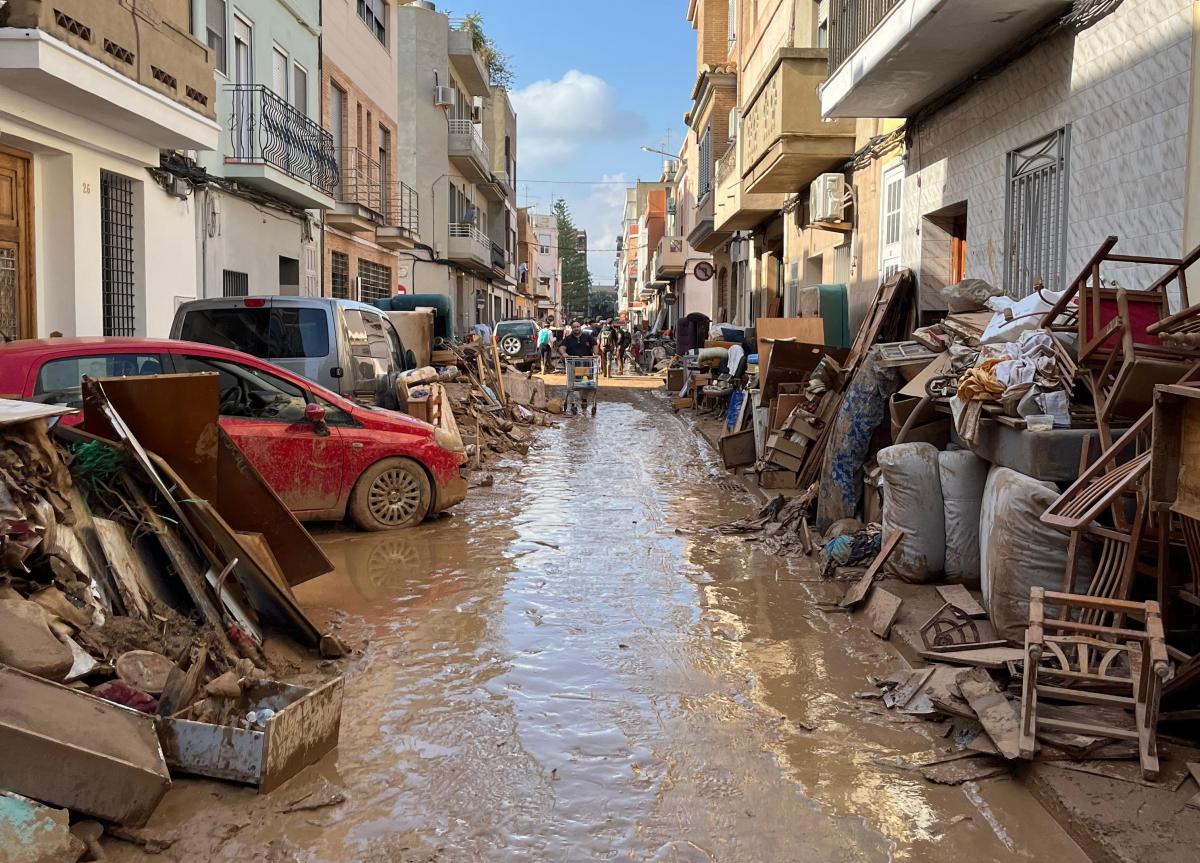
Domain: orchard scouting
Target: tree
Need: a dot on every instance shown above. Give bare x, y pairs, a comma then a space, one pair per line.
576, 280
604, 304
499, 64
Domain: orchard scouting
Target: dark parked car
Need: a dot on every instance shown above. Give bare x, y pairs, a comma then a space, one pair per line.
517, 341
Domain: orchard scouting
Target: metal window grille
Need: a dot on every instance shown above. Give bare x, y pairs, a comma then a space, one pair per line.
374, 281
1035, 223
235, 284
706, 164
116, 254
339, 275
9, 297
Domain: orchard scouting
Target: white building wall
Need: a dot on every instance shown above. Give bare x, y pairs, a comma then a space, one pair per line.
68, 153
1124, 87
235, 234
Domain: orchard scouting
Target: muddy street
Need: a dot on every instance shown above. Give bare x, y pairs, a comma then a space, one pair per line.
575, 666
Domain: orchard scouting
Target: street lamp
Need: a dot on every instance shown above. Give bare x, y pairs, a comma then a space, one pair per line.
659, 152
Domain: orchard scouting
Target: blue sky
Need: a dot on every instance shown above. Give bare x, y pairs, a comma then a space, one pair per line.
594, 82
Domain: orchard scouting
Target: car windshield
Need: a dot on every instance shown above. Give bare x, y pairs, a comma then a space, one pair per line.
267, 333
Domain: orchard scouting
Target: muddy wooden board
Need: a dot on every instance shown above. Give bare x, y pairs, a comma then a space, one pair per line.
995, 714
1194, 769
858, 592
986, 657
882, 610
961, 598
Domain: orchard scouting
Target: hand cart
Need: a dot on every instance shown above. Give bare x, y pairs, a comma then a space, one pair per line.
582, 373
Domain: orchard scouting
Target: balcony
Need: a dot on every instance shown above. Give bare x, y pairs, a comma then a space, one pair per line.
143, 75
670, 259
470, 248
735, 209
888, 58
468, 152
467, 63
359, 207
703, 237
401, 228
278, 150
785, 143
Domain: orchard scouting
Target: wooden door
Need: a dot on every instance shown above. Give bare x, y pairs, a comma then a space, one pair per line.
17, 311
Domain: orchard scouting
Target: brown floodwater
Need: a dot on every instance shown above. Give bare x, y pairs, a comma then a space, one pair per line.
576, 666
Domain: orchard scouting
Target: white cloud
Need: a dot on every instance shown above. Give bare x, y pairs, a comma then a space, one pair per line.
556, 118
599, 212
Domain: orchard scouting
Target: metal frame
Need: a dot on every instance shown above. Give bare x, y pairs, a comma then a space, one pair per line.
117, 284
1037, 181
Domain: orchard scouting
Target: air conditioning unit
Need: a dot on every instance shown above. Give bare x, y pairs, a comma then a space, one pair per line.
826, 198
443, 97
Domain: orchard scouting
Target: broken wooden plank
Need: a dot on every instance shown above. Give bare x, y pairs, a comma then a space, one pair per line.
960, 598
904, 693
859, 591
126, 567
993, 658
996, 715
882, 610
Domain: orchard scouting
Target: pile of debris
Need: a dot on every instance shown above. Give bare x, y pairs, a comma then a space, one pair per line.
146, 564
492, 401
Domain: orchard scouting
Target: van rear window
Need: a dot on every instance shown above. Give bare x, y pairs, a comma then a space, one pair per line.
270, 334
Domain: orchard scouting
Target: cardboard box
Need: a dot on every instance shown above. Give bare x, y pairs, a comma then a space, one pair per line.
782, 407
737, 449
802, 426
778, 479
782, 459
781, 443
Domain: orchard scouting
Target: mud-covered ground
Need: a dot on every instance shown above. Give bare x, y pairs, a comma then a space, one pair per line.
576, 667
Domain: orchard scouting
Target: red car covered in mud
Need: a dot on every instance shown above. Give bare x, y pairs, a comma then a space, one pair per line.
325, 456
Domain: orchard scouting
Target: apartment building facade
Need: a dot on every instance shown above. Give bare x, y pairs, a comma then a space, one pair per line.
258, 213
539, 266
1032, 140
675, 261
374, 225
453, 120
95, 239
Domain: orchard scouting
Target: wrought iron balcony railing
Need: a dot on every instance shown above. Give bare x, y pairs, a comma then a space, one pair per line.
402, 207
850, 23
360, 179
266, 130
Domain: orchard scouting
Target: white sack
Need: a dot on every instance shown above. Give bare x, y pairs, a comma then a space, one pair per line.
963, 477
912, 502
1017, 551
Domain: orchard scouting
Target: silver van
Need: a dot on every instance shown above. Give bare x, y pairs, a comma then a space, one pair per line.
348, 347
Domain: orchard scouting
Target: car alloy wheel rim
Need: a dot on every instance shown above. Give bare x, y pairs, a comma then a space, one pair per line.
511, 345
395, 496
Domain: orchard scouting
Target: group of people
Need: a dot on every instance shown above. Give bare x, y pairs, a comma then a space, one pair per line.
610, 340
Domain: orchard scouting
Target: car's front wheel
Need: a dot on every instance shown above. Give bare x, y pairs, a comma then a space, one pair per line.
391, 494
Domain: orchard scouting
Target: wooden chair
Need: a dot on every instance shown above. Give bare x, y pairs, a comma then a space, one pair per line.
1074, 662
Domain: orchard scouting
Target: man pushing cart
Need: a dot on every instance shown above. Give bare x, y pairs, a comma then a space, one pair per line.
582, 364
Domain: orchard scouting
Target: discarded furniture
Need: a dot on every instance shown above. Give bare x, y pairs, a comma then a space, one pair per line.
303, 728
73, 750
1067, 660
951, 628
1105, 480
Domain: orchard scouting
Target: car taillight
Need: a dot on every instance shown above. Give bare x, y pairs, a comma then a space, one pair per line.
256, 303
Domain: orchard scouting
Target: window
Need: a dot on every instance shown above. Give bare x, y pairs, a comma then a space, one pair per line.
544, 244
235, 284
250, 393
339, 276
385, 157
733, 10
374, 281
279, 72
1035, 222
116, 254
268, 333
891, 204
300, 88
215, 24
289, 276
704, 187
367, 335
374, 15
58, 381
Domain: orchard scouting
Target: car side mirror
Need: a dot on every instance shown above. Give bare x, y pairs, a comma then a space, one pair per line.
315, 414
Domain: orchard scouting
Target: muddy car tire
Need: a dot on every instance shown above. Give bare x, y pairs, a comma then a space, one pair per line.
393, 493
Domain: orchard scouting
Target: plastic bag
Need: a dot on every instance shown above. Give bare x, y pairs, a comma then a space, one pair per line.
912, 502
1027, 314
969, 295
963, 475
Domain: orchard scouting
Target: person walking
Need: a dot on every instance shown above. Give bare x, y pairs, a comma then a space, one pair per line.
579, 344
624, 342
608, 345
545, 347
